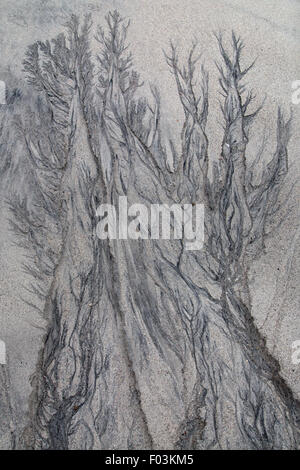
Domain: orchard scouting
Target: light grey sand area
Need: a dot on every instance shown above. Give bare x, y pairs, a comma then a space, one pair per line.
141, 343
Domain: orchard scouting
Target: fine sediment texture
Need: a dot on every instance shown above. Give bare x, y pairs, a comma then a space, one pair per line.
147, 345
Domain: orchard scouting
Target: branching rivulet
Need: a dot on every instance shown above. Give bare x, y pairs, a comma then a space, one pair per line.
148, 345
